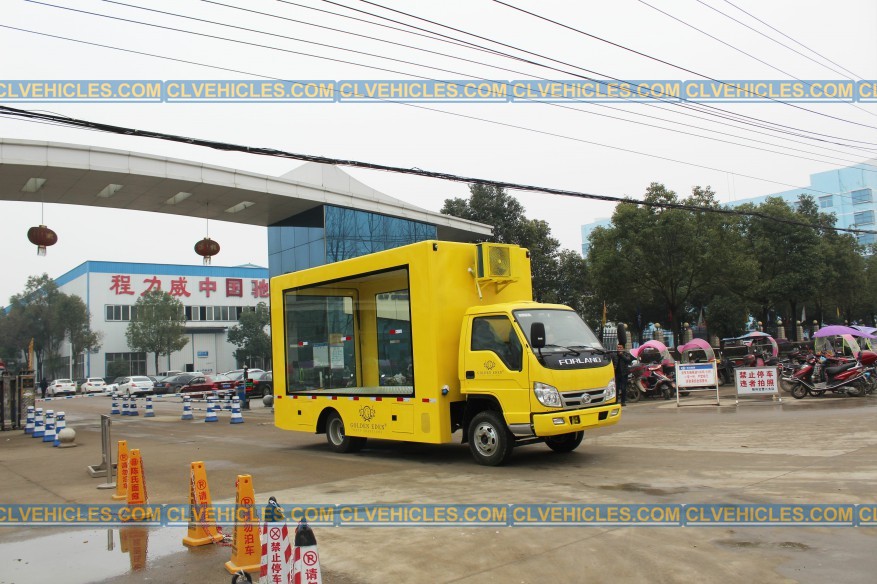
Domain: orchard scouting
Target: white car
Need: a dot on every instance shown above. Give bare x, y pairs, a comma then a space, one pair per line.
136, 385
93, 385
61, 387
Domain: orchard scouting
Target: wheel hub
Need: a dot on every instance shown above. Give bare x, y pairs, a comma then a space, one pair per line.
485, 439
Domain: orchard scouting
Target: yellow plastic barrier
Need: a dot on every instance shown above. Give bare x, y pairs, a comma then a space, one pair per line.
122, 472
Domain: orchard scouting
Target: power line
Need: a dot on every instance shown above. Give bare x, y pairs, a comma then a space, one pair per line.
467, 44
228, 147
508, 85
796, 42
436, 110
679, 67
712, 110
728, 16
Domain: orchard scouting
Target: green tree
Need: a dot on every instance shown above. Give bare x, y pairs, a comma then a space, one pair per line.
249, 335
118, 368
48, 316
784, 254
157, 326
665, 262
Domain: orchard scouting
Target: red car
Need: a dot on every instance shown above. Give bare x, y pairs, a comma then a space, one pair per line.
207, 383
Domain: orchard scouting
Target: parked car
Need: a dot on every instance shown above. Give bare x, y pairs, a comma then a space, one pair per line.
111, 388
170, 373
174, 383
205, 383
238, 374
93, 385
136, 385
263, 386
62, 387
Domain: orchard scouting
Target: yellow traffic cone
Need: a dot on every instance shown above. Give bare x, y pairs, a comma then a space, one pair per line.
202, 522
246, 547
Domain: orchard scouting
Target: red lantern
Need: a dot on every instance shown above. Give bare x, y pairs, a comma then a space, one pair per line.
207, 248
42, 237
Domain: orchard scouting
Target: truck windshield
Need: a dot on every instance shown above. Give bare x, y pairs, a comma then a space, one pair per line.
564, 329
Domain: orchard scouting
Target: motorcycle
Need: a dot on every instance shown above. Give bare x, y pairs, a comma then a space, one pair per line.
653, 374
844, 371
823, 373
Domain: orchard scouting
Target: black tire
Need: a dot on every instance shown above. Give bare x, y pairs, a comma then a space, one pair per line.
798, 390
267, 390
565, 442
632, 392
338, 440
786, 385
668, 391
490, 441
241, 577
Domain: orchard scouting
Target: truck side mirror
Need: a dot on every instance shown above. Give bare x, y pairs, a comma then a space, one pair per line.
537, 335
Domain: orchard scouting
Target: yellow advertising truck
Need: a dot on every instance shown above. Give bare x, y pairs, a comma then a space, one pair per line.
417, 342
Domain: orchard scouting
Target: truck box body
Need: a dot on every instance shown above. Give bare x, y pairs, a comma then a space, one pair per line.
389, 342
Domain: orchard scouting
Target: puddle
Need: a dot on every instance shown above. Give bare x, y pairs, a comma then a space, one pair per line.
84, 556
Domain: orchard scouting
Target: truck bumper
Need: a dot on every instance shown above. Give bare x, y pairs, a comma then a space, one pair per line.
567, 421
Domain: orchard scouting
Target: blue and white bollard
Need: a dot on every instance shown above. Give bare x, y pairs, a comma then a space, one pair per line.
236, 417
39, 424
211, 411
187, 409
114, 407
49, 433
150, 413
60, 424
132, 408
29, 424
125, 407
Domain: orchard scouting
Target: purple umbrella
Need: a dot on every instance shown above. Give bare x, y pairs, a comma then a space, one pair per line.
836, 329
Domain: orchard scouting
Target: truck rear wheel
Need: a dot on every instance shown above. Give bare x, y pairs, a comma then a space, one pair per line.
490, 441
338, 440
565, 442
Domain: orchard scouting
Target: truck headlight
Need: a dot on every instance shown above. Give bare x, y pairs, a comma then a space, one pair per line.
610, 390
547, 394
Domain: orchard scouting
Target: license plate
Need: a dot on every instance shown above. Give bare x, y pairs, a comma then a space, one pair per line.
574, 420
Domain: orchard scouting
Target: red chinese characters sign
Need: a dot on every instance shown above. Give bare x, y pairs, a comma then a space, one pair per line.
183, 287
756, 380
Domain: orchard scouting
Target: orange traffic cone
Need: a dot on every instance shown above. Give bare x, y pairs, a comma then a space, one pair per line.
122, 472
202, 522
246, 546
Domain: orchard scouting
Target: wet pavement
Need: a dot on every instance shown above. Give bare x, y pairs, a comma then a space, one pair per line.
798, 451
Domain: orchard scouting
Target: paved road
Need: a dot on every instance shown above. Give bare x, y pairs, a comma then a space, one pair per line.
808, 451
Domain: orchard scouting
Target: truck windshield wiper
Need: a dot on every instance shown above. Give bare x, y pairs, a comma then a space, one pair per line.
566, 350
590, 348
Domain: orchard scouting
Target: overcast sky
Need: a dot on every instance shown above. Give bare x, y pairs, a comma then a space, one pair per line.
463, 138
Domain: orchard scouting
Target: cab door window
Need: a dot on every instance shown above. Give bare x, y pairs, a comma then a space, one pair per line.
496, 334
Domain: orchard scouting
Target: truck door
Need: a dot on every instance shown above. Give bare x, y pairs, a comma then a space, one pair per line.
494, 364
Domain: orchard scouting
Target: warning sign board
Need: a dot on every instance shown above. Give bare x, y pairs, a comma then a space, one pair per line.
757, 381
696, 375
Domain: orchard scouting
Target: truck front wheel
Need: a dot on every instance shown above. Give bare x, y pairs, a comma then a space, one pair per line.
338, 440
490, 441
565, 442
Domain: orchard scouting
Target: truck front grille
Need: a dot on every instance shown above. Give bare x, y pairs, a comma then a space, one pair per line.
573, 400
